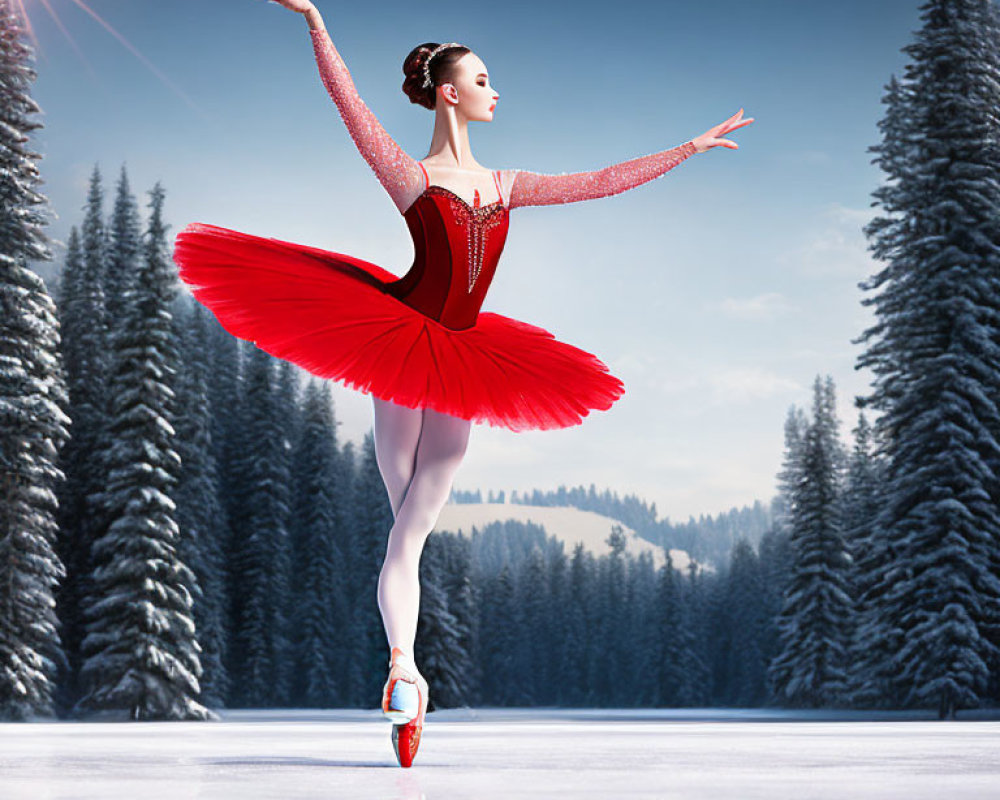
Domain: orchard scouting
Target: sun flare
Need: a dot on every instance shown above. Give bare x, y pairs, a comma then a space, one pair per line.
21, 10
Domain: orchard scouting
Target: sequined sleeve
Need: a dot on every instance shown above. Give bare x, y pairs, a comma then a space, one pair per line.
536, 189
398, 172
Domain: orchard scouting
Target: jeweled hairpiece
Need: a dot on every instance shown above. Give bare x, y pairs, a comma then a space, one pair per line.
427, 64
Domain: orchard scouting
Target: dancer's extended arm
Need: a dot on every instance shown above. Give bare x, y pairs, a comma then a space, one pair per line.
537, 189
398, 172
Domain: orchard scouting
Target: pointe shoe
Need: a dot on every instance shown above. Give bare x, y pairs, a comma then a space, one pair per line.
401, 694
406, 737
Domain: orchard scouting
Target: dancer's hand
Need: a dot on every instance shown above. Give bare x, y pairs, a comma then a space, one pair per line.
709, 138
301, 6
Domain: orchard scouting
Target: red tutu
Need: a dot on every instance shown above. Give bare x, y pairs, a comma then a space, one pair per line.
330, 313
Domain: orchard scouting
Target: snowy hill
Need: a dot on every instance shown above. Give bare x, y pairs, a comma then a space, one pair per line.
569, 525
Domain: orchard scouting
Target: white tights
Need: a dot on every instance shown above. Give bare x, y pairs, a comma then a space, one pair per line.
418, 452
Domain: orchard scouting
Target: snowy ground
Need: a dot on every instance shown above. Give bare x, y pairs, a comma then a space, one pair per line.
699, 754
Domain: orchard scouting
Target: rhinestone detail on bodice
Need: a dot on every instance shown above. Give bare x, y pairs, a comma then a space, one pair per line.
479, 220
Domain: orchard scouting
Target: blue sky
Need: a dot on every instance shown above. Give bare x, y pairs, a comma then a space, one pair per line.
716, 292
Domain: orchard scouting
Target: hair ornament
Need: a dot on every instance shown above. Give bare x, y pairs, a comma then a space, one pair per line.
427, 64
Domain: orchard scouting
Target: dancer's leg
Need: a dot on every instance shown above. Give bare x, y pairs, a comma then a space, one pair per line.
397, 431
442, 445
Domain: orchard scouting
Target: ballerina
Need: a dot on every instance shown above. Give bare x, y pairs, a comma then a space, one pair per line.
433, 363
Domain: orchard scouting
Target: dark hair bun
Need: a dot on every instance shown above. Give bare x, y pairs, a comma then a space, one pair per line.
413, 69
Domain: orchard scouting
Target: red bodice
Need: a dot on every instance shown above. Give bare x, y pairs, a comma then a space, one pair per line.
456, 250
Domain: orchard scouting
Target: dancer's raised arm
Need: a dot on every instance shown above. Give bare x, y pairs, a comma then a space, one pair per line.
398, 172
537, 189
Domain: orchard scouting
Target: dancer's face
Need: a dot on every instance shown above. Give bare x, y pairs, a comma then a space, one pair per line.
469, 89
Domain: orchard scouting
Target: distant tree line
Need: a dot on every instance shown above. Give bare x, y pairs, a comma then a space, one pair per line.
708, 539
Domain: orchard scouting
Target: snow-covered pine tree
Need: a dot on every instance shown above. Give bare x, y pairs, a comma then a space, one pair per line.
574, 690
261, 546
438, 649
502, 615
225, 393
694, 631
371, 522
457, 582
561, 660
34, 426
810, 669
200, 517
346, 643
745, 667
991, 627
776, 551
868, 558
535, 604
610, 610
87, 354
640, 630
141, 654
796, 426
637, 647
318, 593
289, 421
124, 250
888, 344
670, 675
935, 351
775, 564
223, 353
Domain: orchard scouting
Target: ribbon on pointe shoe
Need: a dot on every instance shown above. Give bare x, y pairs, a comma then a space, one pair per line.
401, 695
405, 663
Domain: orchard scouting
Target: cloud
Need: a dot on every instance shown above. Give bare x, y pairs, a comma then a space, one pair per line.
804, 157
837, 247
700, 381
743, 384
499, 447
768, 305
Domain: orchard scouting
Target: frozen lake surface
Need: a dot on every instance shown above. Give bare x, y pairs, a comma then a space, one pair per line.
696, 754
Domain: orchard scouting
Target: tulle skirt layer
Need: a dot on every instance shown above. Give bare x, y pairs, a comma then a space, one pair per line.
328, 313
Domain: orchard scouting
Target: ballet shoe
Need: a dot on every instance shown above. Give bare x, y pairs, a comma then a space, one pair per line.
406, 737
401, 694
